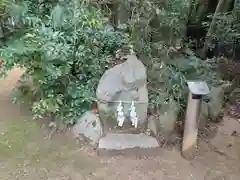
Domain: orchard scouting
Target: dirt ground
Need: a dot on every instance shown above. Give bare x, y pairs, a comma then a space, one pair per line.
27, 153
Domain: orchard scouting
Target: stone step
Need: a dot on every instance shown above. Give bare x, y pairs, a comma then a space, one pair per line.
128, 144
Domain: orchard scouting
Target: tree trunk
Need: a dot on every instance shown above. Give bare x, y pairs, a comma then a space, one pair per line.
211, 29
227, 5
198, 10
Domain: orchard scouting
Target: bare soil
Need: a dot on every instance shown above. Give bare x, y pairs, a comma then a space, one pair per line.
27, 153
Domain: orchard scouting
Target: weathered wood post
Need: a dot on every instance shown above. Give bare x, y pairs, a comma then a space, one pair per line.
196, 90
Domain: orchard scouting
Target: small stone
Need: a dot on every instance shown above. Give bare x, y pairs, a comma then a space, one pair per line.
125, 142
89, 125
52, 125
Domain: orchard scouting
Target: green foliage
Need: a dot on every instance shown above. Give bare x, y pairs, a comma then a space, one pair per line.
156, 27
173, 73
227, 28
64, 53
66, 46
152, 20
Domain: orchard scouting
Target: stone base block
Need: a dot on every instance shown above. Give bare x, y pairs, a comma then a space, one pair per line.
128, 144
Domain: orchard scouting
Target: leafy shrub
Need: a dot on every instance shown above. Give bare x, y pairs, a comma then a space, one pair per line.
65, 47
173, 73
64, 53
156, 27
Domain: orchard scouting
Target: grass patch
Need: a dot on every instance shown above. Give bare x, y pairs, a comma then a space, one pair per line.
16, 136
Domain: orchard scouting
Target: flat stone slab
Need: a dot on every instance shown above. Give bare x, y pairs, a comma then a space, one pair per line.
128, 144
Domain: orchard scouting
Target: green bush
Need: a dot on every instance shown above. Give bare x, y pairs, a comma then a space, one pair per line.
66, 46
64, 53
173, 73
157, 27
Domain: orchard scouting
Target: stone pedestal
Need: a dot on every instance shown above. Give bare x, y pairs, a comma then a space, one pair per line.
128, 144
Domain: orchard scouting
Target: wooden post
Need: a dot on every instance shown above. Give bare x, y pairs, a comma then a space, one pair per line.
189, 144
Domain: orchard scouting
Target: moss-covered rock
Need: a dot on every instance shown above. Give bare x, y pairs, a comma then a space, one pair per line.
204, 116
168, 116
216, 102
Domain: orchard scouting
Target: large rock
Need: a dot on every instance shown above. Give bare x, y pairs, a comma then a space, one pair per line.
168, 116
204, 116
153, 125
216, 102
110, 84
89, 126
125, 82
114, 143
